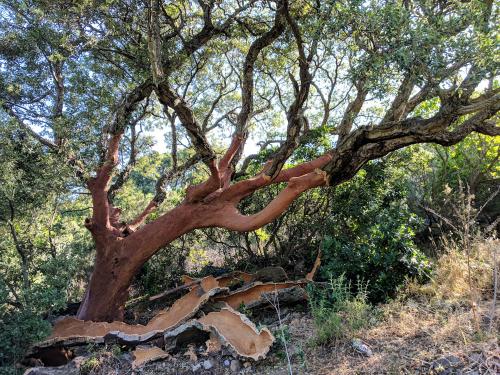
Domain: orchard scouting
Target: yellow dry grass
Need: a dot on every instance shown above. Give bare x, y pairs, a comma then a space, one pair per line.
428, 322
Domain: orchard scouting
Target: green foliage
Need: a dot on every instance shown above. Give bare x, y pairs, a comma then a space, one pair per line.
472, 165
371, 231
89, 365
162, 271
338, 313
44, 251
283, 335
18, 330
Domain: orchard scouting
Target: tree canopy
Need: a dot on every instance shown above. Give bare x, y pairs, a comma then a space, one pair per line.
314, 90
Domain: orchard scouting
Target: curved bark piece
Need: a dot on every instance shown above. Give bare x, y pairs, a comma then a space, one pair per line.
230, 328
255, 294
147, 354
317, 263
71, 331
235, 278
225, 280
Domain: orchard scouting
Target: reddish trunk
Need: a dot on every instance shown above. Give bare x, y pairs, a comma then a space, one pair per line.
107, 290
122, 249
118, 259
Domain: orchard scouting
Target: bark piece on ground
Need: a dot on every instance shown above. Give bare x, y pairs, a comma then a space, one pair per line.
232, 329
213, 344
147, 354
254, 295
239, 334
235, 278
70, 331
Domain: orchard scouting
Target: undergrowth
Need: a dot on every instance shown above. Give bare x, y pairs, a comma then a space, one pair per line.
338, 313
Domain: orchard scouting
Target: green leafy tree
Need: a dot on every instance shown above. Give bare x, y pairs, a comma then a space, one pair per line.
86, 79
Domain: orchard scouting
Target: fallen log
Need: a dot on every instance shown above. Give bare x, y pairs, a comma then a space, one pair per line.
225, 281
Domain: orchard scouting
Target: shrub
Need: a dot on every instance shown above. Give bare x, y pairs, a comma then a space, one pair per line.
450, 282
89, 365
371, 232
338, 313
17, 332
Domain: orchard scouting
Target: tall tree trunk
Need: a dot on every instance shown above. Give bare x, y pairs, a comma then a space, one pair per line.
107, 290
118, 259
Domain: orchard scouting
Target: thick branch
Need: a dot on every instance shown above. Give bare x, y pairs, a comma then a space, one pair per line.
352, 111
220, 173
248, 66
241, 189
99, 186
230, 217
170, 99
398, 105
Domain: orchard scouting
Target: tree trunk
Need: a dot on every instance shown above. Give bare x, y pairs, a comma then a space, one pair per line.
118, 259
107, 290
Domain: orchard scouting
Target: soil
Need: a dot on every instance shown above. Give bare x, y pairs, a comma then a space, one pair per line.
408, 337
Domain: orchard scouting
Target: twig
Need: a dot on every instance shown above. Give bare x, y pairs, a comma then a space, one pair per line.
495, 289
276, 305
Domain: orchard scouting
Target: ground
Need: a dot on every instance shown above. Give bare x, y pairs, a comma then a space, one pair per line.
406, 337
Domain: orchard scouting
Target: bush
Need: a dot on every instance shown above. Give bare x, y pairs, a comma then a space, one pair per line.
338, 313
17, 332
371, 232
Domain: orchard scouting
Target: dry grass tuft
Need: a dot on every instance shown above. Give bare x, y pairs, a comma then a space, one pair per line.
450, 281
424, 328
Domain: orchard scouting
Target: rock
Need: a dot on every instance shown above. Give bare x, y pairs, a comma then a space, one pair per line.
69, 369
208, 364
235, 365
227, 363
446, 365
246, 364
361, 347
196, 367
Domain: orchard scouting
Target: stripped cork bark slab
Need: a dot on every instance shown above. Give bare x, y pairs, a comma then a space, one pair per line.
229, 328
70, 331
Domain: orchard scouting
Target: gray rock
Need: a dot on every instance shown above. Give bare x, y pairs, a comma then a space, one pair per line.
196, 367
361, 347
69, 369
235, 365
446, 365
227, 362
208, 364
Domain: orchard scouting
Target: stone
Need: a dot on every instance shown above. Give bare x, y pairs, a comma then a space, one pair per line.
247, 364
361, 347
208, 364
445, 365
196, 367
227, 363
235, 365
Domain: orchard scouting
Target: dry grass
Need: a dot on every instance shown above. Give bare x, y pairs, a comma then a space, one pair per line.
450, 281
445, 318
